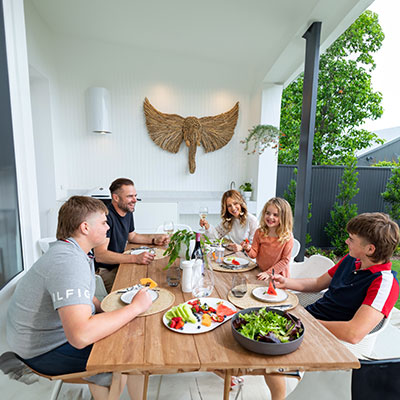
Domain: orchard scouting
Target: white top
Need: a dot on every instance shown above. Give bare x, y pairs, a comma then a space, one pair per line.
238, 233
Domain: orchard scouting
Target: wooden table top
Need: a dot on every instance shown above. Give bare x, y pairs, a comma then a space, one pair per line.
146, 345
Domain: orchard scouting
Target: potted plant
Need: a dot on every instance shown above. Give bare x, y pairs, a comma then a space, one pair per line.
246, 189
263, 136
180, 246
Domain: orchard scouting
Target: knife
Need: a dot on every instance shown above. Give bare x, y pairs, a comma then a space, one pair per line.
282, 306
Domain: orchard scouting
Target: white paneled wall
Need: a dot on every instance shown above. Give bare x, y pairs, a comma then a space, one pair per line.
172, 82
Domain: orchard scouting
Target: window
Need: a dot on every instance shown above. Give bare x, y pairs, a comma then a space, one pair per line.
11, 262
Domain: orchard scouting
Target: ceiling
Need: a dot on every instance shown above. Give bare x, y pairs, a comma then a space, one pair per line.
262, 36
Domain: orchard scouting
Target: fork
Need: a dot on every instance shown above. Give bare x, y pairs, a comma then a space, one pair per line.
273, 282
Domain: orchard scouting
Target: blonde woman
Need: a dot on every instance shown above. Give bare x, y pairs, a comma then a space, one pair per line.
237, 224
273, 241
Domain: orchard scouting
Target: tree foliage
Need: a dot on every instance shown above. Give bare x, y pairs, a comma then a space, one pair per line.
343, 210
345, 98
391, 195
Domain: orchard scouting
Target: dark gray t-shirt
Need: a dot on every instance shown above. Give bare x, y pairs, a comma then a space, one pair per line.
61, 277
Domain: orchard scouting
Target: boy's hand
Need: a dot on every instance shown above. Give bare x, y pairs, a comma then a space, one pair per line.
279, 280
142, 301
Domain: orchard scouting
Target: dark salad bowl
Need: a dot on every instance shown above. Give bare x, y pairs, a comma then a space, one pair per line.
269, 343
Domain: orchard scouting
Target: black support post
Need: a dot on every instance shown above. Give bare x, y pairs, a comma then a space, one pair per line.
310, 85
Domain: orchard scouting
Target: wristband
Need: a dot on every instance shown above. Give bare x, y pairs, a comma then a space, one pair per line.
152, 241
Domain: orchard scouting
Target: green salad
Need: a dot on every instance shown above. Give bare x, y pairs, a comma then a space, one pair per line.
268, 326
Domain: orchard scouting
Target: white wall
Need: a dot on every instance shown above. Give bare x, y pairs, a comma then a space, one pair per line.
173, 84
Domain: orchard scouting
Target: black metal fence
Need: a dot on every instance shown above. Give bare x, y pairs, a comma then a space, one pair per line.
325, 187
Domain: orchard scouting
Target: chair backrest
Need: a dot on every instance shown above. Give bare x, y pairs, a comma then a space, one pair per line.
295, 250
366, 346
177, 227
312, 267
100, 291
44, 243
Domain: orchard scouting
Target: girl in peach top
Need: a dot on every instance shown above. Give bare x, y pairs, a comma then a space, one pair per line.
273, 241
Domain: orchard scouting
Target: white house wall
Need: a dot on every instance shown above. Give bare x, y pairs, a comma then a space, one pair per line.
173, 84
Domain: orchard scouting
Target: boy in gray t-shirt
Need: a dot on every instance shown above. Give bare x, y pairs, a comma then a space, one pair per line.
53, 318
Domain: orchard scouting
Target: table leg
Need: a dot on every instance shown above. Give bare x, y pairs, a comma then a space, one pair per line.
227, 383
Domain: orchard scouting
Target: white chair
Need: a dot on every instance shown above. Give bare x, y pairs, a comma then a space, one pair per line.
295, 250
177, 227
44, 243
312, 267
100, 291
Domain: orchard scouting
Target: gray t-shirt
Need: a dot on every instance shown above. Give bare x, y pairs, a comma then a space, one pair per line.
61, 277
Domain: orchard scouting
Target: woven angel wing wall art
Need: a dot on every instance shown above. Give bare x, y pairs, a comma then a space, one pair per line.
169, 130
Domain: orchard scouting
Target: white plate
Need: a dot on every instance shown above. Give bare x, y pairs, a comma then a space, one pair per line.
260, 293
140, 251
190, 328
128, 296
242, 261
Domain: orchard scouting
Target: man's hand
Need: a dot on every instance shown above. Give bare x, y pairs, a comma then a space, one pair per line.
141, 301
161, 240
142, 258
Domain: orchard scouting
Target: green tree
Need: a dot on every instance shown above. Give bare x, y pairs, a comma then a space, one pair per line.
343, 210
345, 98
391, 195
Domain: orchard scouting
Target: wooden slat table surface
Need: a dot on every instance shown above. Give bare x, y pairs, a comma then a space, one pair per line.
145, 345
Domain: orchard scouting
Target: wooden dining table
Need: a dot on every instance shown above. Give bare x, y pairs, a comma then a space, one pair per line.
146, 346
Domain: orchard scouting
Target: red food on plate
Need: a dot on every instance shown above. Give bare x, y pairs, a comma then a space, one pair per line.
234, 262
271, 289
224, 310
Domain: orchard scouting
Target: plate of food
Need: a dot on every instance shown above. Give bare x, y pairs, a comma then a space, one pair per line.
131, 293
236, 261
269, 294
199, 315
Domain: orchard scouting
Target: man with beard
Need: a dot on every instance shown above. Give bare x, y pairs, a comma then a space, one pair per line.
109, 255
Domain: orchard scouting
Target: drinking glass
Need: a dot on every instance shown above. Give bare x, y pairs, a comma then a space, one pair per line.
202, 277
239, 285
203, 212
173, 276
169, 227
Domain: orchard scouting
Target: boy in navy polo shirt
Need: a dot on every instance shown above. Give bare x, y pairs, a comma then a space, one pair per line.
362, 288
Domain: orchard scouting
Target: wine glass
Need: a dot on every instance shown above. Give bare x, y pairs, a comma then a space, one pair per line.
203, 212
202, 277
168, 227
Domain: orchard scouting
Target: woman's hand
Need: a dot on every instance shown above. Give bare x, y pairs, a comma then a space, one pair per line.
236, 247
204, 224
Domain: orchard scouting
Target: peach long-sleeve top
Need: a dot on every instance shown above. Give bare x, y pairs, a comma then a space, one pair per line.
270, 253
